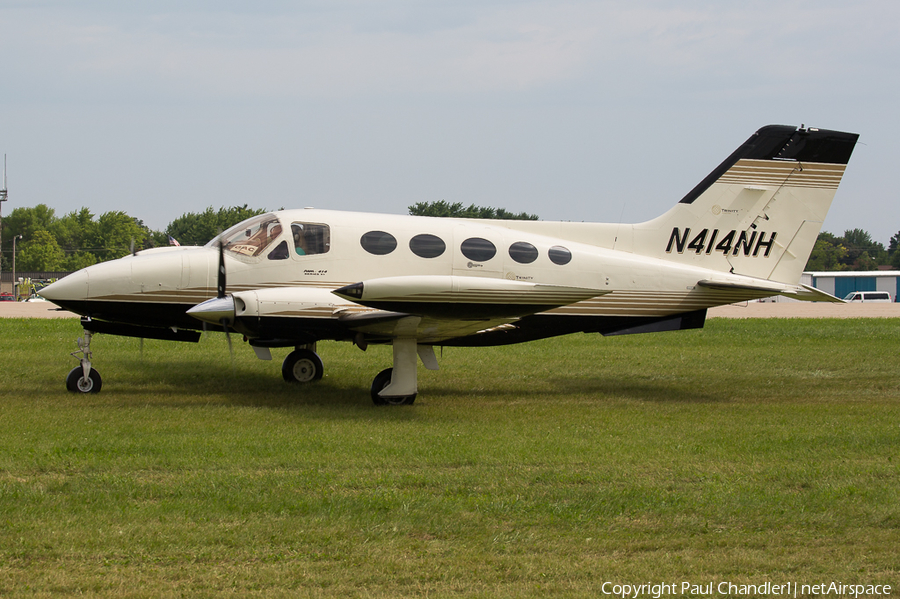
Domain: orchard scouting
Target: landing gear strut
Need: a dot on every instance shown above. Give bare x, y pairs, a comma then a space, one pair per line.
398, 386
83, 378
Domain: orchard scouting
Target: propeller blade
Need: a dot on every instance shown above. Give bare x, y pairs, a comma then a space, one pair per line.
224, 323
220, 282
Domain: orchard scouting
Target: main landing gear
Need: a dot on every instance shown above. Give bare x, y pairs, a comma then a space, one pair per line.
83, 378
381, 382
396, 386
303, 365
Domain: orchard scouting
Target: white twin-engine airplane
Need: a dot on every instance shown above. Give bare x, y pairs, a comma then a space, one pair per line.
295, 277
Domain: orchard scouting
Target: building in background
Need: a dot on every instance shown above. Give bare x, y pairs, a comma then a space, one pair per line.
842, 283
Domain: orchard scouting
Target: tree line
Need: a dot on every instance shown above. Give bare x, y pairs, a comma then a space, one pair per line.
854, 250
79, 238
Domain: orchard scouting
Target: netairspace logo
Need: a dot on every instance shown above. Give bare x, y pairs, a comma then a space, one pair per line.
787, 589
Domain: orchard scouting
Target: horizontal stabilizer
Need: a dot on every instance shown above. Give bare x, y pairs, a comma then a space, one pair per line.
763, 286
798, 292
811, 294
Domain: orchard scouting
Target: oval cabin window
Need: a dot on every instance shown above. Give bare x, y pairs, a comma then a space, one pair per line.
523, 252
478, 249
559, 255
378, 242
427, 246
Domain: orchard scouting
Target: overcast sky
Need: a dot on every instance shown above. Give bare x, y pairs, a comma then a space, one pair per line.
583, 110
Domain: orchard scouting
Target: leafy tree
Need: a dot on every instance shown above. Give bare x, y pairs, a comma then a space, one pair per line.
854, 250
894, 243
26, 221
82, 239
79, 260
158, 239
827, 253
444, 209
40, 253
116, 233
197, 229
75, 229
863, 253
893, 253
77, 233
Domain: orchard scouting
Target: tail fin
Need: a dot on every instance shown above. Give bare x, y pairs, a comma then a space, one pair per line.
759, 213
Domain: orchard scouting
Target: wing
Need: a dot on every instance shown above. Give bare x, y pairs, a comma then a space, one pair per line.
443, 307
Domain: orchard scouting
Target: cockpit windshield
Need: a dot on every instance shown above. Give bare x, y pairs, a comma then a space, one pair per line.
251, 237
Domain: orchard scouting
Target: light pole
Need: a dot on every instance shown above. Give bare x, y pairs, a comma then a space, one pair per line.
4, 195
15, 283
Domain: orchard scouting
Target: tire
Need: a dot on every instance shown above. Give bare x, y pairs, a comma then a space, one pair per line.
382, 380
76, 383
302, 366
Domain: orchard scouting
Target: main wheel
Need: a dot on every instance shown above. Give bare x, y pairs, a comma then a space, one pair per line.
77, 383
382, 380
302, 366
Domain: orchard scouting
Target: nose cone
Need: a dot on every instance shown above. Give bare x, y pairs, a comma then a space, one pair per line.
72, 288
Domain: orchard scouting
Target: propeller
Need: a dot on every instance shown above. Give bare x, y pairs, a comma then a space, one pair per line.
220, 282
220, 295
220, 310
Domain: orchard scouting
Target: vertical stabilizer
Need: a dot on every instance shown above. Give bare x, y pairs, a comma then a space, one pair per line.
759, 212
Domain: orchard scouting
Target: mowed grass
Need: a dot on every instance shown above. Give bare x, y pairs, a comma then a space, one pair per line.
747, 451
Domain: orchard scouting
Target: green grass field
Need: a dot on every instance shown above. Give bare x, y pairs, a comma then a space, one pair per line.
748, 451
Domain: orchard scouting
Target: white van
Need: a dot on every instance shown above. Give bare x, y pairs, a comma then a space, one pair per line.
868, 296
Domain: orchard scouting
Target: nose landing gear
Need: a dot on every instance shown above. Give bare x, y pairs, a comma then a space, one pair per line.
83, 378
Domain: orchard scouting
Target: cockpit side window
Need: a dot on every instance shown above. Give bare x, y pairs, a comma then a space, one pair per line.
311, 238
280, 252
252, 237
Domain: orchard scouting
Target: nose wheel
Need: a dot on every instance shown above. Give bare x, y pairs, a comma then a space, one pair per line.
76, 382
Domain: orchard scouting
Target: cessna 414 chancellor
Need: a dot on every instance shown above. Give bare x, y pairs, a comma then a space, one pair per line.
295, 277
